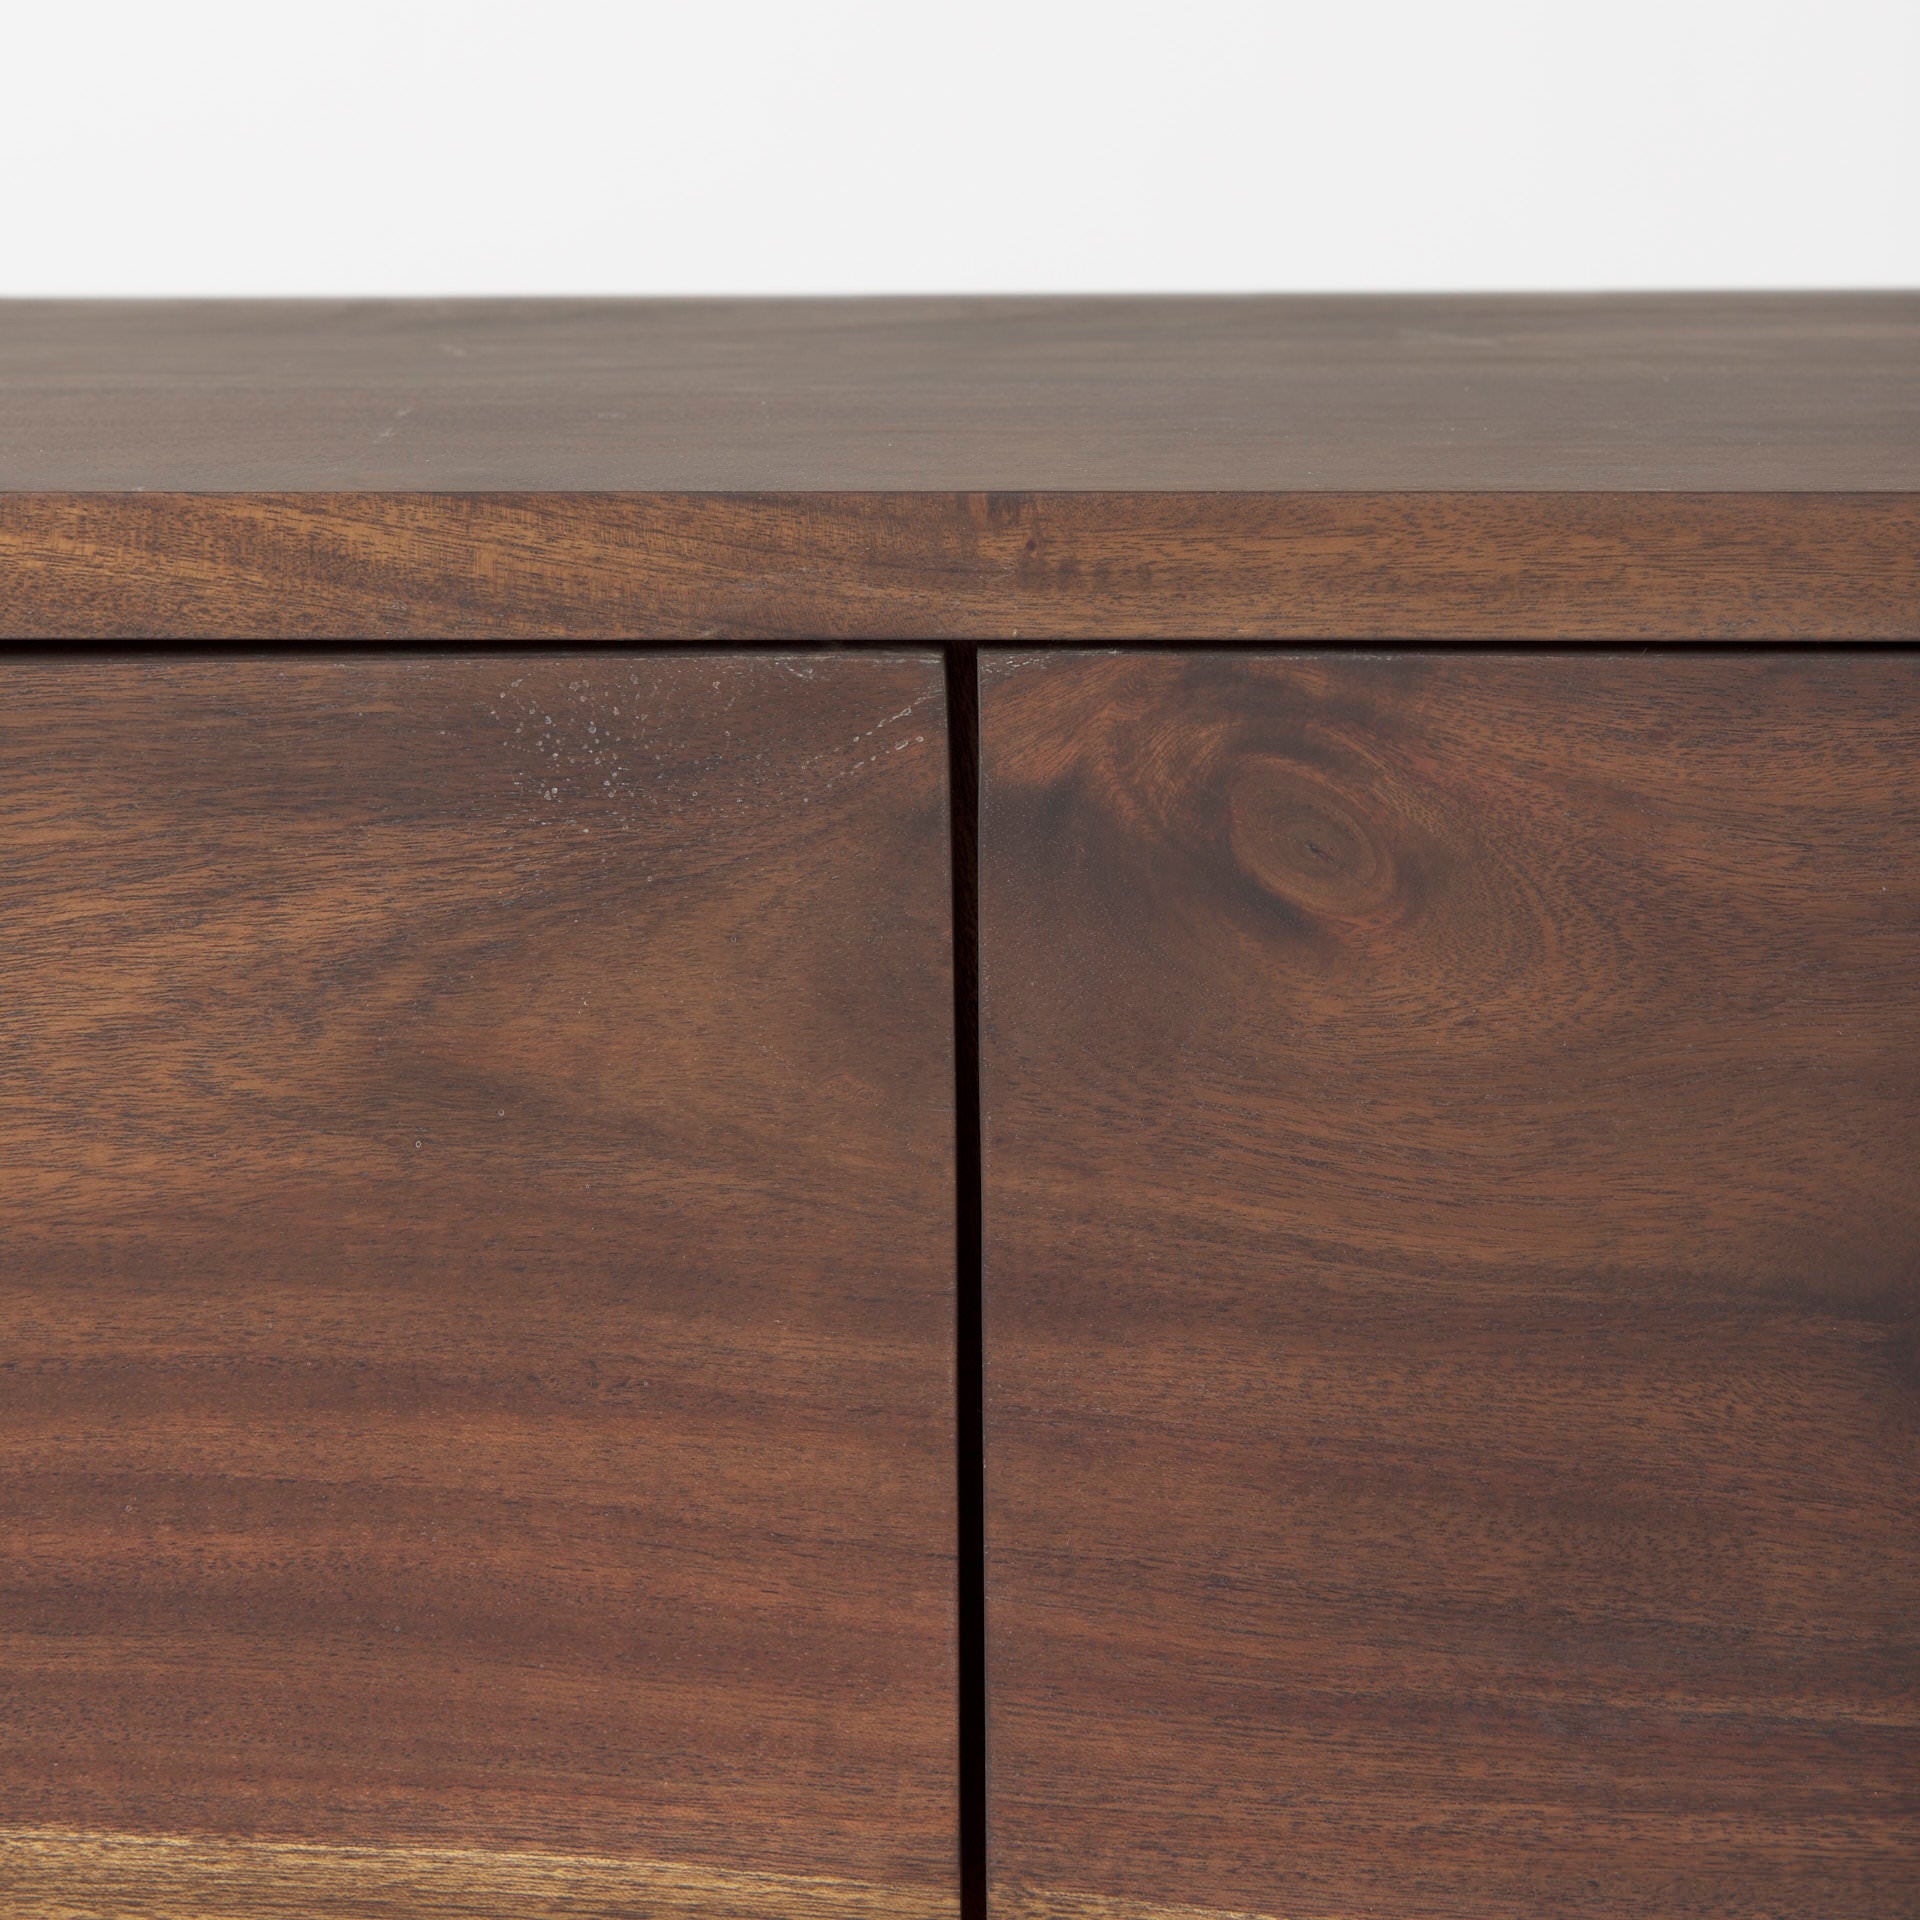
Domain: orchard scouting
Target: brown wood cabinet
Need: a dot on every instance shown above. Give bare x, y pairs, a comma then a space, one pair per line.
1087, 1110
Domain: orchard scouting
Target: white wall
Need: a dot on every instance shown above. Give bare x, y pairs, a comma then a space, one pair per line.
467, 146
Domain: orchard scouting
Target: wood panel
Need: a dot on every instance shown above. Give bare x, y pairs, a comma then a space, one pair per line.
890, 567
1694, 466
1692, 392
1453, 1320
476, 1299
56, 1875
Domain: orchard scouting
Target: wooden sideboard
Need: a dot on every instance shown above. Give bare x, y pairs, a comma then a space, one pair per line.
1076, 1109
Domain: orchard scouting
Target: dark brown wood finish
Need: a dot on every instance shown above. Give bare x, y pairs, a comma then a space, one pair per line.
1710, 466
1452, 1292
872, 567
476, 1424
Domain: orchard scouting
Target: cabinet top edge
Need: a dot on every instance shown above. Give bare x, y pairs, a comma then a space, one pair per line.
1251, 395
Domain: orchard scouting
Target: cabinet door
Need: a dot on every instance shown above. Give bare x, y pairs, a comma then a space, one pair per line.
476, 1294
1453, 1278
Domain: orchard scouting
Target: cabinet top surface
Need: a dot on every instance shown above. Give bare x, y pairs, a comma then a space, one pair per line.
1258, 394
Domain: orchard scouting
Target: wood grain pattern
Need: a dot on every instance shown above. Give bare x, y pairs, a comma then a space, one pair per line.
886, 567
476, 1287
1453, 1316
56, 1875
1700, 392
1611, 467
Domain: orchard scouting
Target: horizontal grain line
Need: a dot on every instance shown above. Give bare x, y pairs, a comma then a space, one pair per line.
1243, 567
59, 1874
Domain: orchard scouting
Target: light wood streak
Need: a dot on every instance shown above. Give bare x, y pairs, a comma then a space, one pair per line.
50, 1873
1056, 1903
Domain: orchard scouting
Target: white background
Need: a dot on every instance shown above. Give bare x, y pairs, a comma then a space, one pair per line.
556, 146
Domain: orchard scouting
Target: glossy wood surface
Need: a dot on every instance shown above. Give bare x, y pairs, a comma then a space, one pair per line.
1694, 466
476, 1287
1452, 1310
1700, 392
